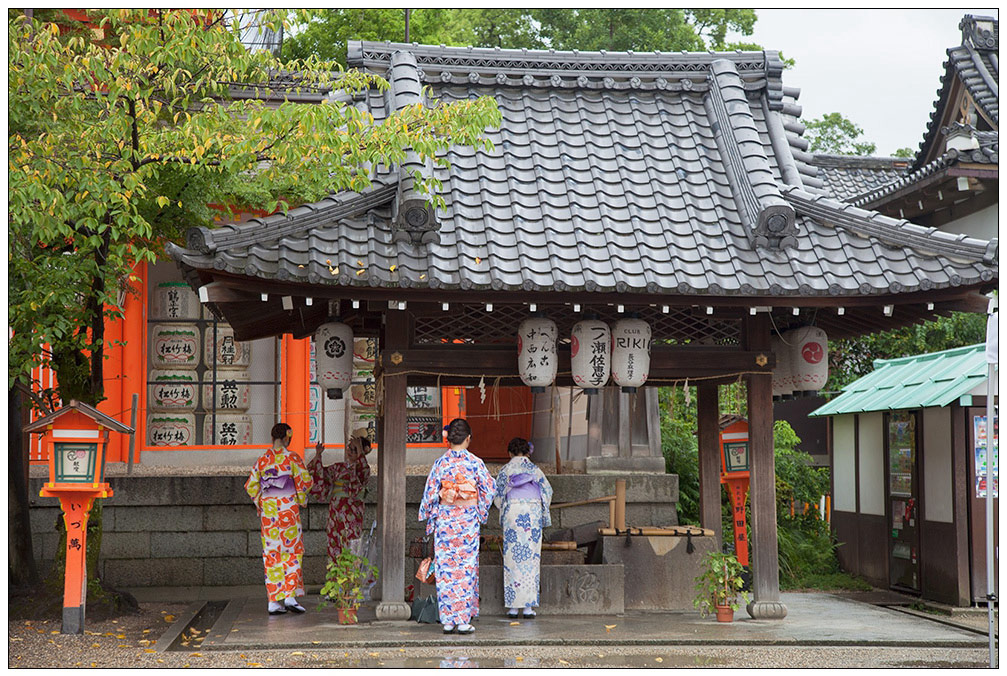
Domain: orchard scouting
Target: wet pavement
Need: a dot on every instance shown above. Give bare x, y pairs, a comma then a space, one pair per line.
813, 619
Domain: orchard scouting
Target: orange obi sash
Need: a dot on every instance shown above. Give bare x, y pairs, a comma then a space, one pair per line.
459, 493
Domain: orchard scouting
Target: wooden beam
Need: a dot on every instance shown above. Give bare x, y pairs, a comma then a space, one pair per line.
765, 557
667, 363
708, 414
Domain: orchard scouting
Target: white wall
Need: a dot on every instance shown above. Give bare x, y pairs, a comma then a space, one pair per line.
844, 477
872, 463
981, 224
937, 478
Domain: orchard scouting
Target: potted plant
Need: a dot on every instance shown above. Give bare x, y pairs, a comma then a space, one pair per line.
719, 586
344, 584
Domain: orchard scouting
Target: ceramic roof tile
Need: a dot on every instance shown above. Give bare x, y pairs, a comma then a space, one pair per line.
596, 185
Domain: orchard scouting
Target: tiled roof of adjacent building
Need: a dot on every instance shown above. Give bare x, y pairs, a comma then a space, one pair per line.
974, 63
647, 173
846, 176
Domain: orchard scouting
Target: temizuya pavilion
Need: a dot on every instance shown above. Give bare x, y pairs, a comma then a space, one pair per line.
674, 186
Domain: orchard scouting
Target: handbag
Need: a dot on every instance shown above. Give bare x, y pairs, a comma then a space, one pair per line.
425, 572
425, 610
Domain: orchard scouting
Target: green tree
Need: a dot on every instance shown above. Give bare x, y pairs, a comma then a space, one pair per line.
832, 133
907, 153
118, 143
324, 32
120, 132
853, 358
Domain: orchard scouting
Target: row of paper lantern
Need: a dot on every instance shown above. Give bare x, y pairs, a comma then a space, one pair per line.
597, 353
802, 361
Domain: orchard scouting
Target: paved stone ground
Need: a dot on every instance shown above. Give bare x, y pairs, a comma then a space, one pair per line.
821, 631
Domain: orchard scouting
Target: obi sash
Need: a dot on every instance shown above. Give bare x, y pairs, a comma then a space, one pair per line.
274, 484
459, 493
523, 486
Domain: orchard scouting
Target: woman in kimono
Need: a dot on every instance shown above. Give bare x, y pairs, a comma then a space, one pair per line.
455, 502
342, 485
279, 485
523, 495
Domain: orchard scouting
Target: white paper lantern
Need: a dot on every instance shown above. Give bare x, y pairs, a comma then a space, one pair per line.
536, 345
172, 390
783, 373
590, 354
174, 346
630, 353
809, 357
334, 358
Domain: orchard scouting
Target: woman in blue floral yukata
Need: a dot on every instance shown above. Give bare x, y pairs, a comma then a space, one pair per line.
523, 496
456, 501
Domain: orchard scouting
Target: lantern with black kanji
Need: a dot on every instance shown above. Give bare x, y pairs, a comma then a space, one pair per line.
536, 345
630, 353
809, 358
590, 354
334, 358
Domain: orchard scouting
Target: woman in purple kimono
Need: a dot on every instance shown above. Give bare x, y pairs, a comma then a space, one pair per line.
455, 502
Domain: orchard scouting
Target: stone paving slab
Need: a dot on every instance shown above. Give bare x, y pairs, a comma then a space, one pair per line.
813, 619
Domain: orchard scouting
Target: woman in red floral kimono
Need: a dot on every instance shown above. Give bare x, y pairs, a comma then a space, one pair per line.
342, 485
279, 485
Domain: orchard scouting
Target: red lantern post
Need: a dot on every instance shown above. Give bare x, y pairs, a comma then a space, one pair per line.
76, 438
735, 473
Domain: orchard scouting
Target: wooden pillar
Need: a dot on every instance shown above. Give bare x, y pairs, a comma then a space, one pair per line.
708, 414
392, 473
766, 603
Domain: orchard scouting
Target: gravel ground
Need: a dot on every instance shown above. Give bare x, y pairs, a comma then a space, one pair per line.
128, 642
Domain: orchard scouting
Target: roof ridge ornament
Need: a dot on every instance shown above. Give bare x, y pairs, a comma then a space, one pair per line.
982, 32
413, 218
770, 219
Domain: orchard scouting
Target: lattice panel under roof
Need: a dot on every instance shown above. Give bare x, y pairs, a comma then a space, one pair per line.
473, 324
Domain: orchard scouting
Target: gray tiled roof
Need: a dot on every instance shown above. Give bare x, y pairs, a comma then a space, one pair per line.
988, 152
847, 176
610, 172
976, 64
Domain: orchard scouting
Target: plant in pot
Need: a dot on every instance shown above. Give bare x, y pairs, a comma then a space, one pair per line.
344, 584
719, 586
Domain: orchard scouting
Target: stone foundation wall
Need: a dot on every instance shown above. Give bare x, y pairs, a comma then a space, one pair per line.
203, 530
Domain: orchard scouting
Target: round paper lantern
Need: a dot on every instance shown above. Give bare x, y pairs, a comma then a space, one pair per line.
334, 358
630, 353
536, 345
174, 346
590, 354
172, 390
809, 358
783, 373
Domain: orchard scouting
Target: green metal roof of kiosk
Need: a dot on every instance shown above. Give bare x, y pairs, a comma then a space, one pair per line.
934, 379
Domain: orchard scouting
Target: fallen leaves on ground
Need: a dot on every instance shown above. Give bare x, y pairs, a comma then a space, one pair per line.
515, 624
659, 659
610, 627
169, 618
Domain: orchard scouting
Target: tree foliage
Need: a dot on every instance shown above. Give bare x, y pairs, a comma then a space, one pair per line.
324, 32
853, 358
122, 132
834, 134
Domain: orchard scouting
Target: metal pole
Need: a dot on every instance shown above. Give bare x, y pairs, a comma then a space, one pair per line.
407, 24
132, 435
992, 345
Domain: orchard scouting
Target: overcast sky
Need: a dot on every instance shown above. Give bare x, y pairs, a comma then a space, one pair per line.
880, 68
